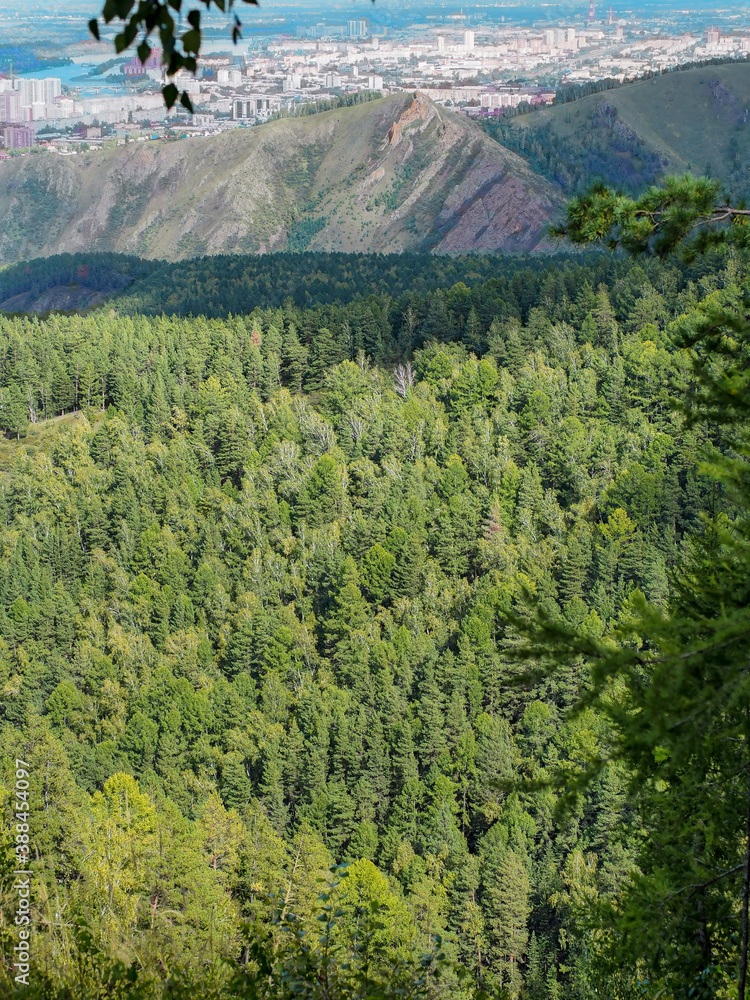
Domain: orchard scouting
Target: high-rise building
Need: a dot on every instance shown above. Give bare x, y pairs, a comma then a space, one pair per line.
52, 88
10, 106
359, 27
31, 91
254, 107
19, 136
441, 43
469, 40
713, 36
374, 82
63, 107
39, 91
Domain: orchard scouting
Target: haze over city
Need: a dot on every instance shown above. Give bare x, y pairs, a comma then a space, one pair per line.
480, 60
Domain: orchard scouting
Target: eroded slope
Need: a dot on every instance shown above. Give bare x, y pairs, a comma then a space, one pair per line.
395, 174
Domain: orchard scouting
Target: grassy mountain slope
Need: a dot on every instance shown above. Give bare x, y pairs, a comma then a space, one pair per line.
696, 120
391, 175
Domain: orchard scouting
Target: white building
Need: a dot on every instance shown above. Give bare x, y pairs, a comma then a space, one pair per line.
63, 107
39, 91
359, 27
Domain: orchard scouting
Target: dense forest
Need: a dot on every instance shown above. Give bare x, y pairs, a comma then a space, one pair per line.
601, 146
632, 135
264, 573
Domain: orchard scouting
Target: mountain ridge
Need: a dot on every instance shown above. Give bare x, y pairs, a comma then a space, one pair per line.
695, 120
392, 175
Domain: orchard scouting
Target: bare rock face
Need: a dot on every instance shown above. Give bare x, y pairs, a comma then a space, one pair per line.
396, 174
484, 214
419, 109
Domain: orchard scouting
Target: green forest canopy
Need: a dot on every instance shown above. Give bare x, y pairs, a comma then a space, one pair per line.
263, 582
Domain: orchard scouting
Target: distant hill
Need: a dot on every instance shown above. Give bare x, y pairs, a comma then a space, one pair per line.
695, 120
395, 174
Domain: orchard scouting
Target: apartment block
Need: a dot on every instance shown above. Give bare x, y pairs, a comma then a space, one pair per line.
19, 136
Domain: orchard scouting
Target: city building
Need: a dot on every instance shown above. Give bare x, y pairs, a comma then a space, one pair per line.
254, 107
10, 106
19, 136
135, 69
39, 91
359, 27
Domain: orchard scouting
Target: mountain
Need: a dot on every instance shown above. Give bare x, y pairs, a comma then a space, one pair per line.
391, 175
695, 120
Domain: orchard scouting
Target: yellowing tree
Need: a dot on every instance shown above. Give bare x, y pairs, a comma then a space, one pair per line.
120, 849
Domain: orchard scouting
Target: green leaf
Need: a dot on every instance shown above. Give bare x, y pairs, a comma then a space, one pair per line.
169, 92
191, 40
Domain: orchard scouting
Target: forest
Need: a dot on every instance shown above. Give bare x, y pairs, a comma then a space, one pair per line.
266, 574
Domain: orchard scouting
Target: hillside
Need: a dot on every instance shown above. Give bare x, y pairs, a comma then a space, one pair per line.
396, 174
695, 120
233, 284
259, 618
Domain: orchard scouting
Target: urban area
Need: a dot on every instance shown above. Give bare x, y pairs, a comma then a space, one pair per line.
468, 63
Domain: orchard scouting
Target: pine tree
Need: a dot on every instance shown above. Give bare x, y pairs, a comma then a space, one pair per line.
508, 906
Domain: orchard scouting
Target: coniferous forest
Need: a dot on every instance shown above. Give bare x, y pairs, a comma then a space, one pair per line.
268, 571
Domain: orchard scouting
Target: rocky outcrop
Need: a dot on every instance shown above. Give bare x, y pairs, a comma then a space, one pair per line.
419, 109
